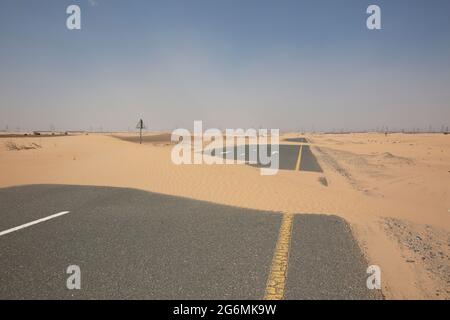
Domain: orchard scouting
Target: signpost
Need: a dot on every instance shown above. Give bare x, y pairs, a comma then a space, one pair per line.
140, 126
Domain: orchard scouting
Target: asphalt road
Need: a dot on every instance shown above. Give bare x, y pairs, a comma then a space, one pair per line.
132, 244
302, 140
324, 257
291, 157
308, 160
158, 138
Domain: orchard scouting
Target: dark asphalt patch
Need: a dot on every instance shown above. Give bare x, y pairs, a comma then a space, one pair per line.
132, 244
287, 156
159, 138
309, 161
301, 140
325, 261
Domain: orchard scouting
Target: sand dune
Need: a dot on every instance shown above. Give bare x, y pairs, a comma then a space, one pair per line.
391, 189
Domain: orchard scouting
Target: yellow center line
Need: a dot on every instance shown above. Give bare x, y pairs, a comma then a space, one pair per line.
299, 158
278, 270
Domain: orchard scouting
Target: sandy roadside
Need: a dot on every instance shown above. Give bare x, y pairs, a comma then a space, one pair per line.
393, 190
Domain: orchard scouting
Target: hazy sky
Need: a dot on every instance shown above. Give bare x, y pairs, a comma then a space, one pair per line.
231, 63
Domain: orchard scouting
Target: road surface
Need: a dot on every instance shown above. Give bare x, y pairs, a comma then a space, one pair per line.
131, 244
291, 157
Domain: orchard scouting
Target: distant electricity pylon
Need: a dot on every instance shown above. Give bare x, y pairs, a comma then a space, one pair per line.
140, 126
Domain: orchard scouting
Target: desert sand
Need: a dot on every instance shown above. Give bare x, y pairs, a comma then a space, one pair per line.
393, 190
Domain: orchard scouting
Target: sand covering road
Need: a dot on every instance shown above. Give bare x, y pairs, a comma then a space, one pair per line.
393, 190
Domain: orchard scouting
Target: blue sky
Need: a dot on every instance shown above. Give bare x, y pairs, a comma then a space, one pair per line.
248, 63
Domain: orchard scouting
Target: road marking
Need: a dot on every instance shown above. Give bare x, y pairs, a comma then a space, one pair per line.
2, 233
278, 270
299, 158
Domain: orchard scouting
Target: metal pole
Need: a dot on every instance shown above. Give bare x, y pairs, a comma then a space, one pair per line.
140, 126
